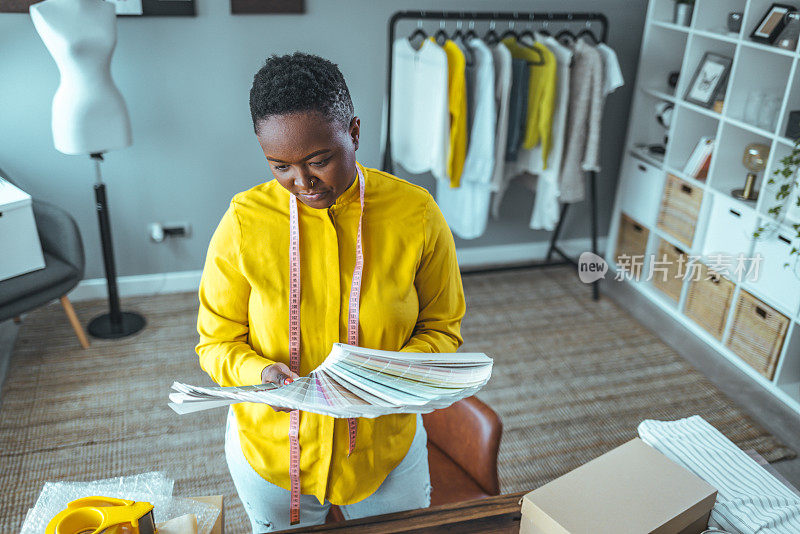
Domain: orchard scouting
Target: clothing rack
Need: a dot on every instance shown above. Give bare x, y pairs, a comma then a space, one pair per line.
540, 19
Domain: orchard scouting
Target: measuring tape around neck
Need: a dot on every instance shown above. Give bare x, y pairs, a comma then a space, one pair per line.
294, 337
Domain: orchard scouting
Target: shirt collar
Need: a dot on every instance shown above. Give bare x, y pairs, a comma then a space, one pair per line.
352, 192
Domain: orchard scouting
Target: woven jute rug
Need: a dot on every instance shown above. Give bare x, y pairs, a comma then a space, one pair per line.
572, 379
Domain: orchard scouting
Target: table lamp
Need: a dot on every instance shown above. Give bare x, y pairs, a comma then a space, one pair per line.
755, 160
89, 116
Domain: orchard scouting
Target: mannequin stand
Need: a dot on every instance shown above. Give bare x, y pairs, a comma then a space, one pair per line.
115, 323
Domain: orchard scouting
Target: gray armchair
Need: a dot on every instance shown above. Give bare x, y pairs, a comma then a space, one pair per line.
64, 267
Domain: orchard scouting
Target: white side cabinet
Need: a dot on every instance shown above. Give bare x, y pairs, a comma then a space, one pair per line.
20, 249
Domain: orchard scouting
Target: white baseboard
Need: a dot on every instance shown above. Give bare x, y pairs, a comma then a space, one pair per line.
141, 284
182, 281
477, 257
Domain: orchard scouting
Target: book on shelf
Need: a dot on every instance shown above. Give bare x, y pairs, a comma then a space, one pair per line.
697, 165
702, 174
357, 382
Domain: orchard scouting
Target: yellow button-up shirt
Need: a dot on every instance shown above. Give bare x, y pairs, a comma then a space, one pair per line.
457, 104
541, 93
411, 300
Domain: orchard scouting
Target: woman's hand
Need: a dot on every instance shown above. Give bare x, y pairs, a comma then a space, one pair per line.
278, 373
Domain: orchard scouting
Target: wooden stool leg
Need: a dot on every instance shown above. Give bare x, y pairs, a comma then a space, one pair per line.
17, 319
76, 324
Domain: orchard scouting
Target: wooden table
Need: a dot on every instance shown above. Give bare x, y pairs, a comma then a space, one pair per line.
492, 515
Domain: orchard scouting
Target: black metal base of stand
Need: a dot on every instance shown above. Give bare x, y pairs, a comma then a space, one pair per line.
116, 323
103, 328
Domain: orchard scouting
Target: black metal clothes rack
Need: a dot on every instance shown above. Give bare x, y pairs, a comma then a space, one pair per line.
512, 18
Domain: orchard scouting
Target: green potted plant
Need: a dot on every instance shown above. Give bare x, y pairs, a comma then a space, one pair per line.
787, 179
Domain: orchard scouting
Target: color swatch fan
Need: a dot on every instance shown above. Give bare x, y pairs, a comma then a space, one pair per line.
357, 382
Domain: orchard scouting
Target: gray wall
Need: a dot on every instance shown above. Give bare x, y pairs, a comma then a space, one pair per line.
186, 82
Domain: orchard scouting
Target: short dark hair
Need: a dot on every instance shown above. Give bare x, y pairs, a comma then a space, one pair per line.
300, 82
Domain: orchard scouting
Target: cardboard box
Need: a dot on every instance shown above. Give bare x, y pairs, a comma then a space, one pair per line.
633, 489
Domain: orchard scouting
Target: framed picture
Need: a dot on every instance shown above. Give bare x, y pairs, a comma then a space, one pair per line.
708, 80
16, 6
250, 7
771, 24
169, 8
123, 7
128, 7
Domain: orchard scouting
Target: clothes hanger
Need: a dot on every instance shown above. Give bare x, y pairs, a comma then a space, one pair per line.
566, 36
510, 32
587, 32
419, 32
458, 34
543, 30
469, 55
471, 31
528, 32
441, 36
491, 36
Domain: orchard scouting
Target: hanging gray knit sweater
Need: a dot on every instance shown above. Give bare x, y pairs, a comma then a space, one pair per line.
584, 115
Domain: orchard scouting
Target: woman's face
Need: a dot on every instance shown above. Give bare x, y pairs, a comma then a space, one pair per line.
313, 158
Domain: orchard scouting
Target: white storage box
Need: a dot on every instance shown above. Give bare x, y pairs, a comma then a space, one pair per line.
776, 283
730, 228
20, 249
640, 190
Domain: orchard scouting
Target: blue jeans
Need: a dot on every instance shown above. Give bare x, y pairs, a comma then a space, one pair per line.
407, 487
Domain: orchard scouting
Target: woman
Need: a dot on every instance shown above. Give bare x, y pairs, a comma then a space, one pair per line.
411, 299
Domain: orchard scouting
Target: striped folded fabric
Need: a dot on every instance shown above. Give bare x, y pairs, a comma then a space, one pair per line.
749, 499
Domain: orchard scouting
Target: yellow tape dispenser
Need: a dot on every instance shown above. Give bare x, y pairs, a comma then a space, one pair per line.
103, 515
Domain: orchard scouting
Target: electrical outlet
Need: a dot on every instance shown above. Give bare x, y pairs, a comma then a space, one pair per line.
159, 232
180, 229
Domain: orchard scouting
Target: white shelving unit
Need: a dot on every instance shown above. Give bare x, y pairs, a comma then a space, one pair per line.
724, 223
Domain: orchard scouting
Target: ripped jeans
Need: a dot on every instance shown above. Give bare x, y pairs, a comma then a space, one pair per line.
408, 486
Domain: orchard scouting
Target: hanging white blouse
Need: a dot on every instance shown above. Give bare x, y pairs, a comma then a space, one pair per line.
612, 73
420, 116
546, 206
466, 208
502, 91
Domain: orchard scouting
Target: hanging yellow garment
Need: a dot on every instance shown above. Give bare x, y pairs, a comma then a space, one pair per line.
541, 93
411, 300
457, 98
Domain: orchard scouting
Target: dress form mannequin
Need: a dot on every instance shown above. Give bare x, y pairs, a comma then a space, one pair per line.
89, 114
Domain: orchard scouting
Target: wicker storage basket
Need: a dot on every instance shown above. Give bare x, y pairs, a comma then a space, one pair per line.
680, 206
631, 241
757, 334
709, 300
668, 272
